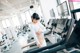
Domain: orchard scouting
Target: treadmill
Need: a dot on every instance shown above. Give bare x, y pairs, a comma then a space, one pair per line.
72, 39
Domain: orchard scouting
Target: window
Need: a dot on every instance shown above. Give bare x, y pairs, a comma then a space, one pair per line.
6, 23
23, 18
28, 16
15, 21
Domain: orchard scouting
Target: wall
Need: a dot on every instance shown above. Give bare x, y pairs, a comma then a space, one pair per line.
46, 6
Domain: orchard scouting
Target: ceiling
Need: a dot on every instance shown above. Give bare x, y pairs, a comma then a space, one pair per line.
10, 6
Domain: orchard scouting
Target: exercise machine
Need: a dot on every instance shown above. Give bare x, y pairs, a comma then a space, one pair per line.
71, 40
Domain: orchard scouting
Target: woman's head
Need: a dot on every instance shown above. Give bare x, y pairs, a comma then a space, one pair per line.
35, 18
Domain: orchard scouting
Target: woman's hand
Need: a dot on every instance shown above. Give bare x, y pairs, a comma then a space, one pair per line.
39, 32
39, 45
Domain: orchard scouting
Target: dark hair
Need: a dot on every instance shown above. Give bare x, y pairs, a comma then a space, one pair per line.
35, 16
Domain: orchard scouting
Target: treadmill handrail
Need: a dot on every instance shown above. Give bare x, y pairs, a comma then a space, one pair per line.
75, 10
54, 49
47, 47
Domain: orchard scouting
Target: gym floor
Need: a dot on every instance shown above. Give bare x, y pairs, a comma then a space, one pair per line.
14, 49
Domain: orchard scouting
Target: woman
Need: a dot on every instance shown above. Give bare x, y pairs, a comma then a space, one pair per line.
37, 30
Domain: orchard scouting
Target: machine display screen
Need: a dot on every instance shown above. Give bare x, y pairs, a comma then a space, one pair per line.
77, 16
63, 9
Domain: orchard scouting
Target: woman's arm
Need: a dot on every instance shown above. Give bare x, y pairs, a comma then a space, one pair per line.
34, 34
42, 27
